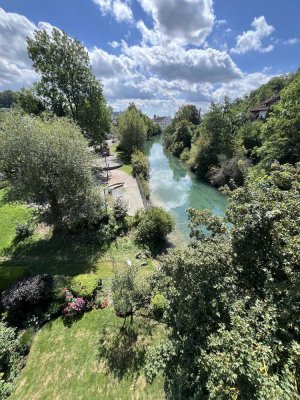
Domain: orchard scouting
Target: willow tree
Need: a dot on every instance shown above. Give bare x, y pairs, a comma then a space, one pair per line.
48, 162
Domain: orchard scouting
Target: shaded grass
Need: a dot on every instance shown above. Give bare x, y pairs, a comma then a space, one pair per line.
126, 167
75, 362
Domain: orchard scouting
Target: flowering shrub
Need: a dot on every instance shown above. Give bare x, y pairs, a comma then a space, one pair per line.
75, 305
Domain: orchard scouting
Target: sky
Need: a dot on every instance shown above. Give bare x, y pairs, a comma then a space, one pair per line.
161, 54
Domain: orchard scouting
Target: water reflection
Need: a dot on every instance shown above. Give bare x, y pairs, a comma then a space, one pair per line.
175, 188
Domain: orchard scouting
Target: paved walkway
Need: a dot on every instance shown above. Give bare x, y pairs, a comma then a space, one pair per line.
132, 189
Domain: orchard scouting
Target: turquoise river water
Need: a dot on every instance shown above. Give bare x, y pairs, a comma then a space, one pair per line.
174, 187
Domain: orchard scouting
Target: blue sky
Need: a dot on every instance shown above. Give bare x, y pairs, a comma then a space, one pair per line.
161, 53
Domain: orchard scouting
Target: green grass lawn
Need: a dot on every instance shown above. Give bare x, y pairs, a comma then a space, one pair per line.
91, 360
10, 215
126, 167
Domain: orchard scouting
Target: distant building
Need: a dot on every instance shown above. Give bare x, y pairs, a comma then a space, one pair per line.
260, 111
116, 115
163, 122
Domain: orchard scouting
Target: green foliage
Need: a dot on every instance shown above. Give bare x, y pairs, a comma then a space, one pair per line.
84, 285
24, 230
281, 132
132, 130
71, 89
49, 163
155, 225
30, 102
188, 113
10, 360
140, 164
129, 291
120, 210
7, 98
158, 305
231, 172
233, 297
216, 136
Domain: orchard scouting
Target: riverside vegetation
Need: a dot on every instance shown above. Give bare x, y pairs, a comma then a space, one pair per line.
102, 318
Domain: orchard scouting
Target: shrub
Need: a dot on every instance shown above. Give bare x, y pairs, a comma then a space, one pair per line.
129, 292
158, 305
120, 210
26, 339
140, 164
155, 225
24, 230
145, 187
10, 359
74, 305
85, 285
24, 295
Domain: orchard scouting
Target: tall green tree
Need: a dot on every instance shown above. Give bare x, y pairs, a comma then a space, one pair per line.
48, 162
7, 98
67, 82
189, 113
132, 130
281, 132
233, 297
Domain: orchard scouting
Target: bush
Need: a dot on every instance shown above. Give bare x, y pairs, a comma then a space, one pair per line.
26, 294
26, 339
155, 225
140, 164
74, 305
85, 285
10, 359
120, 210
24, 230
158, 305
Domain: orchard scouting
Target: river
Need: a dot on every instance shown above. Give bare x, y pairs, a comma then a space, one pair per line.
174, 187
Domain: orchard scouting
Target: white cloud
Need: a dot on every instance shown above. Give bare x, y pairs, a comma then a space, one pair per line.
292, 41
185, 21
252, 40
119, 9
173, 62
15, 65
114, 44
241, 87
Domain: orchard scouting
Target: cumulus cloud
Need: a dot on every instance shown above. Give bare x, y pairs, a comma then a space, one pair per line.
120, 10
252, 40
186, 21
15, 65
175, 62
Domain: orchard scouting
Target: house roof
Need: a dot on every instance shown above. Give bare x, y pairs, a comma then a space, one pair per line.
259, 108
159, 119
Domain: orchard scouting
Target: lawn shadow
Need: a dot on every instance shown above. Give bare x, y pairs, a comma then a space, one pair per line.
122, 350
60, 254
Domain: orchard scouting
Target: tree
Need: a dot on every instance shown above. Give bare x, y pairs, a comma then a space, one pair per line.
155, 225
67, 82
216, 136
30, 102
140, 164
7, 98
129, 292
48, 162
132, 131
233, 297
281, 132
188, 113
